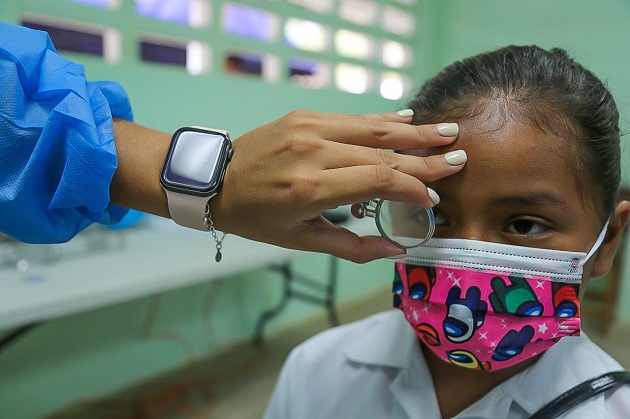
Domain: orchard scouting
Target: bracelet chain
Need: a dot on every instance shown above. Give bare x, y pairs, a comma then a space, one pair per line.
207, 222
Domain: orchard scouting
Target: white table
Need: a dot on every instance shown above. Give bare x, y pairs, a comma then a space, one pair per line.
152, 261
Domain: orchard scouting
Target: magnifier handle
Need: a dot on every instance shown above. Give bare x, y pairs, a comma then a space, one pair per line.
365, 208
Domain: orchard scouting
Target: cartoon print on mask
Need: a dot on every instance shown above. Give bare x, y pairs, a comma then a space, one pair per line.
428, 333
397, 289
465, 315
512, 343
466, 359
517, 298
420, 280
565, 300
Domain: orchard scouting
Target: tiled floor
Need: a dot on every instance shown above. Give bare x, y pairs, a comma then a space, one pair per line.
237, 384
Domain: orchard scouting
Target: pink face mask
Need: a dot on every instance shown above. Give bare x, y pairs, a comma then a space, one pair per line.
489, 306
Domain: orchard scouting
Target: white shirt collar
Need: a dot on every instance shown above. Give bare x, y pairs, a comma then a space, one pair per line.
389, 344
563, 366
560, 368
567, 363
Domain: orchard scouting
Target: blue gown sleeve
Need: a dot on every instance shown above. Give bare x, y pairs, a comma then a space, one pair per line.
57, 152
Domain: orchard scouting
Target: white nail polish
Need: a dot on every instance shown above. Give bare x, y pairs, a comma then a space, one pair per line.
456, 158
448, 130
405, 112
434, 196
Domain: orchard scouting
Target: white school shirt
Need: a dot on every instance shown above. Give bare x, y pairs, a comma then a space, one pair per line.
374, 368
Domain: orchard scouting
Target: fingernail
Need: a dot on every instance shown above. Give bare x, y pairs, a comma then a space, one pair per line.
448, 130
398, 256
434, 196
405, 112
456, 158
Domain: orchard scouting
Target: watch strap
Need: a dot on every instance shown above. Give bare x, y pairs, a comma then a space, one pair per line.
188, 210
217, 130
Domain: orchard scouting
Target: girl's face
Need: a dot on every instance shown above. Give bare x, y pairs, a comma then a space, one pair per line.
519, 187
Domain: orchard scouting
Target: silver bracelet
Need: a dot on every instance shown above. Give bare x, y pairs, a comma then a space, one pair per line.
207, 222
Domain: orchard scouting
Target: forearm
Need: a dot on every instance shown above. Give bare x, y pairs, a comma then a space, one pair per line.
136, 182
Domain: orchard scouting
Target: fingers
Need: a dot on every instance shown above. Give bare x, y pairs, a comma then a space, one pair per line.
349, 185
377, 133
404, 115
322, 236
399, 181
427, 169
387, 131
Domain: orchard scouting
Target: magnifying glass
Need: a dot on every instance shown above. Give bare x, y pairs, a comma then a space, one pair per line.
404, 224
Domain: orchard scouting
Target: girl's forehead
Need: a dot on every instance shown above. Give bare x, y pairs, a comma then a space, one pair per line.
513, 157
520, 142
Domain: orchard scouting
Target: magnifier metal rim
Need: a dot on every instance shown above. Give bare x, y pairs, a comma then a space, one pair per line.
430, 232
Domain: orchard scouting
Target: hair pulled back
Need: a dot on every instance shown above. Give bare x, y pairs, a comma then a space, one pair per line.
550, 90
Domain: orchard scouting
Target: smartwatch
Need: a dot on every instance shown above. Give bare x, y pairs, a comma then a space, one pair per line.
193, 172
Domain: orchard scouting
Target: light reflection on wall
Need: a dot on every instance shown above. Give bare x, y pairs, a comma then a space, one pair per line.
398, 21
352, 78
307, 35
354, 44
395, 54
319, 6
393, 86
361, 12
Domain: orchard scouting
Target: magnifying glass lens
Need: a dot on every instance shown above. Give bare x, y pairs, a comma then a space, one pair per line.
404, 224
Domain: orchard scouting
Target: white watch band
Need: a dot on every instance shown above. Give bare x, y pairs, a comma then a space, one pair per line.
188, 210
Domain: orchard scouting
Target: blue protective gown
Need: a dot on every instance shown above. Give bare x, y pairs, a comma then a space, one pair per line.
57, 153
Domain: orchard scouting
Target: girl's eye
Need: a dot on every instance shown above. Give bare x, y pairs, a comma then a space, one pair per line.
440, 219
526, 227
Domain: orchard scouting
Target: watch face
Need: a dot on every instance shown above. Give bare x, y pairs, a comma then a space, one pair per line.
196, 161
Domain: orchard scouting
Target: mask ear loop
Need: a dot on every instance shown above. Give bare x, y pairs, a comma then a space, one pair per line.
598, 242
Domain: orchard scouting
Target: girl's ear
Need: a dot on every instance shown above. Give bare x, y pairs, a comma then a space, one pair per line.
607, 250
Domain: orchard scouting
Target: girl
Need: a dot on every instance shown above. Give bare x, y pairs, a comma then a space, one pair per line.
488, 322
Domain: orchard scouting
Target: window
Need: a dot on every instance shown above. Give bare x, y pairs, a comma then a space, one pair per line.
264, 66
193, 55
395, 54
398, 21
319, 6
194, 13
354, 44
79, 37
311, 74
242, 63
249, 22
361, 12
393, 86
307, 35
99, 3
352, 78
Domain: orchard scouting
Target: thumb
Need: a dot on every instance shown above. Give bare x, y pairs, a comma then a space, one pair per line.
321, 235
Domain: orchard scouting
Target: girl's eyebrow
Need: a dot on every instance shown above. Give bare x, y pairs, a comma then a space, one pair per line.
534, 198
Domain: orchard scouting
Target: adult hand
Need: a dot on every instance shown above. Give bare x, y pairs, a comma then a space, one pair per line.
284, 174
